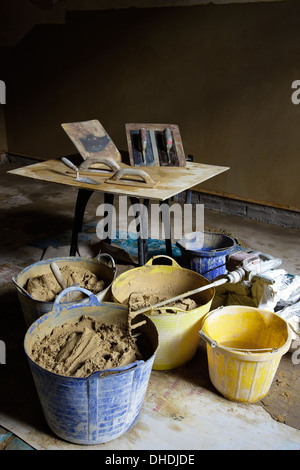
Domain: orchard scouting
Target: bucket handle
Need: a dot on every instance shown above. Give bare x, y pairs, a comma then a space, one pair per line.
213, 344
21, 289
207, 339
93, 395
93, 301
173, 262
229, 250
116, 370
107, 255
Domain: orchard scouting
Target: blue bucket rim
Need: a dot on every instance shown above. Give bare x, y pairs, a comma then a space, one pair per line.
92, 302
207, 253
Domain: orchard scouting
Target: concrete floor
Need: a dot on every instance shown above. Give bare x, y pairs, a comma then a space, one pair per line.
33, 211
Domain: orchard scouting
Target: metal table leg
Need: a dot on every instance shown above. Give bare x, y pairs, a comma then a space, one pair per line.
142, 230
83, 197
108, 199
167, 223
145, 230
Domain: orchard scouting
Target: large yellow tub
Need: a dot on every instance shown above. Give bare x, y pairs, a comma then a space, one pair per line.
244, 348
178, 333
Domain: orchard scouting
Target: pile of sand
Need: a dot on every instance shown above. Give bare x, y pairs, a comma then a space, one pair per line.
78, 350
139, 301
46, 288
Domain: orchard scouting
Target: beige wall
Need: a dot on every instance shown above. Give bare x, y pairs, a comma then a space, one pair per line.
223, 73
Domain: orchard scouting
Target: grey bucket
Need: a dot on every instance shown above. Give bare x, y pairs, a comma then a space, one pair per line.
33, 309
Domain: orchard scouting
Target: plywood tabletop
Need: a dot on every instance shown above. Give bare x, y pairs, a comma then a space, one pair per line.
170, 180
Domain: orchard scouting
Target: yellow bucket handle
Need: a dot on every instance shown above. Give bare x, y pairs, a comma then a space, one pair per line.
214, 344
174, 263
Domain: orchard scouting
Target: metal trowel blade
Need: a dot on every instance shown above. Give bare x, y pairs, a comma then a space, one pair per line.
86, 180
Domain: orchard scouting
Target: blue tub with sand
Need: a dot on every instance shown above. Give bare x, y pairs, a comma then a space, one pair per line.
106, 404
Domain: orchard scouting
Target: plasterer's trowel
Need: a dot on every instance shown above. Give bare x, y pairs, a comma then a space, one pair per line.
78, 178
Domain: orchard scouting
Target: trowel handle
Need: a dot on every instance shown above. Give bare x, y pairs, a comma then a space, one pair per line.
168, 138
143, 136
69, 164
58, 275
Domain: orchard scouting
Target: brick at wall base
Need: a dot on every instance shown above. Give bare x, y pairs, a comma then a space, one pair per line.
259, 212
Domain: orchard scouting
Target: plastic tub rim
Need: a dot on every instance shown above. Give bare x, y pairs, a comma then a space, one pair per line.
247, 356
59, 259
148, 266
209, 253
35, 325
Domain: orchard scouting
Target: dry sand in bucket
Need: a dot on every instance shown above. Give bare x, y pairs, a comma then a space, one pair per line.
139, 301
46, 288
78, 350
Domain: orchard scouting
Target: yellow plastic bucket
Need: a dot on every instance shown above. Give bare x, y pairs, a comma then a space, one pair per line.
178, 333
244, 348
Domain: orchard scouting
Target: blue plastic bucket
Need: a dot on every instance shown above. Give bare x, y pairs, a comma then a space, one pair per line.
106, 404
205, 252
